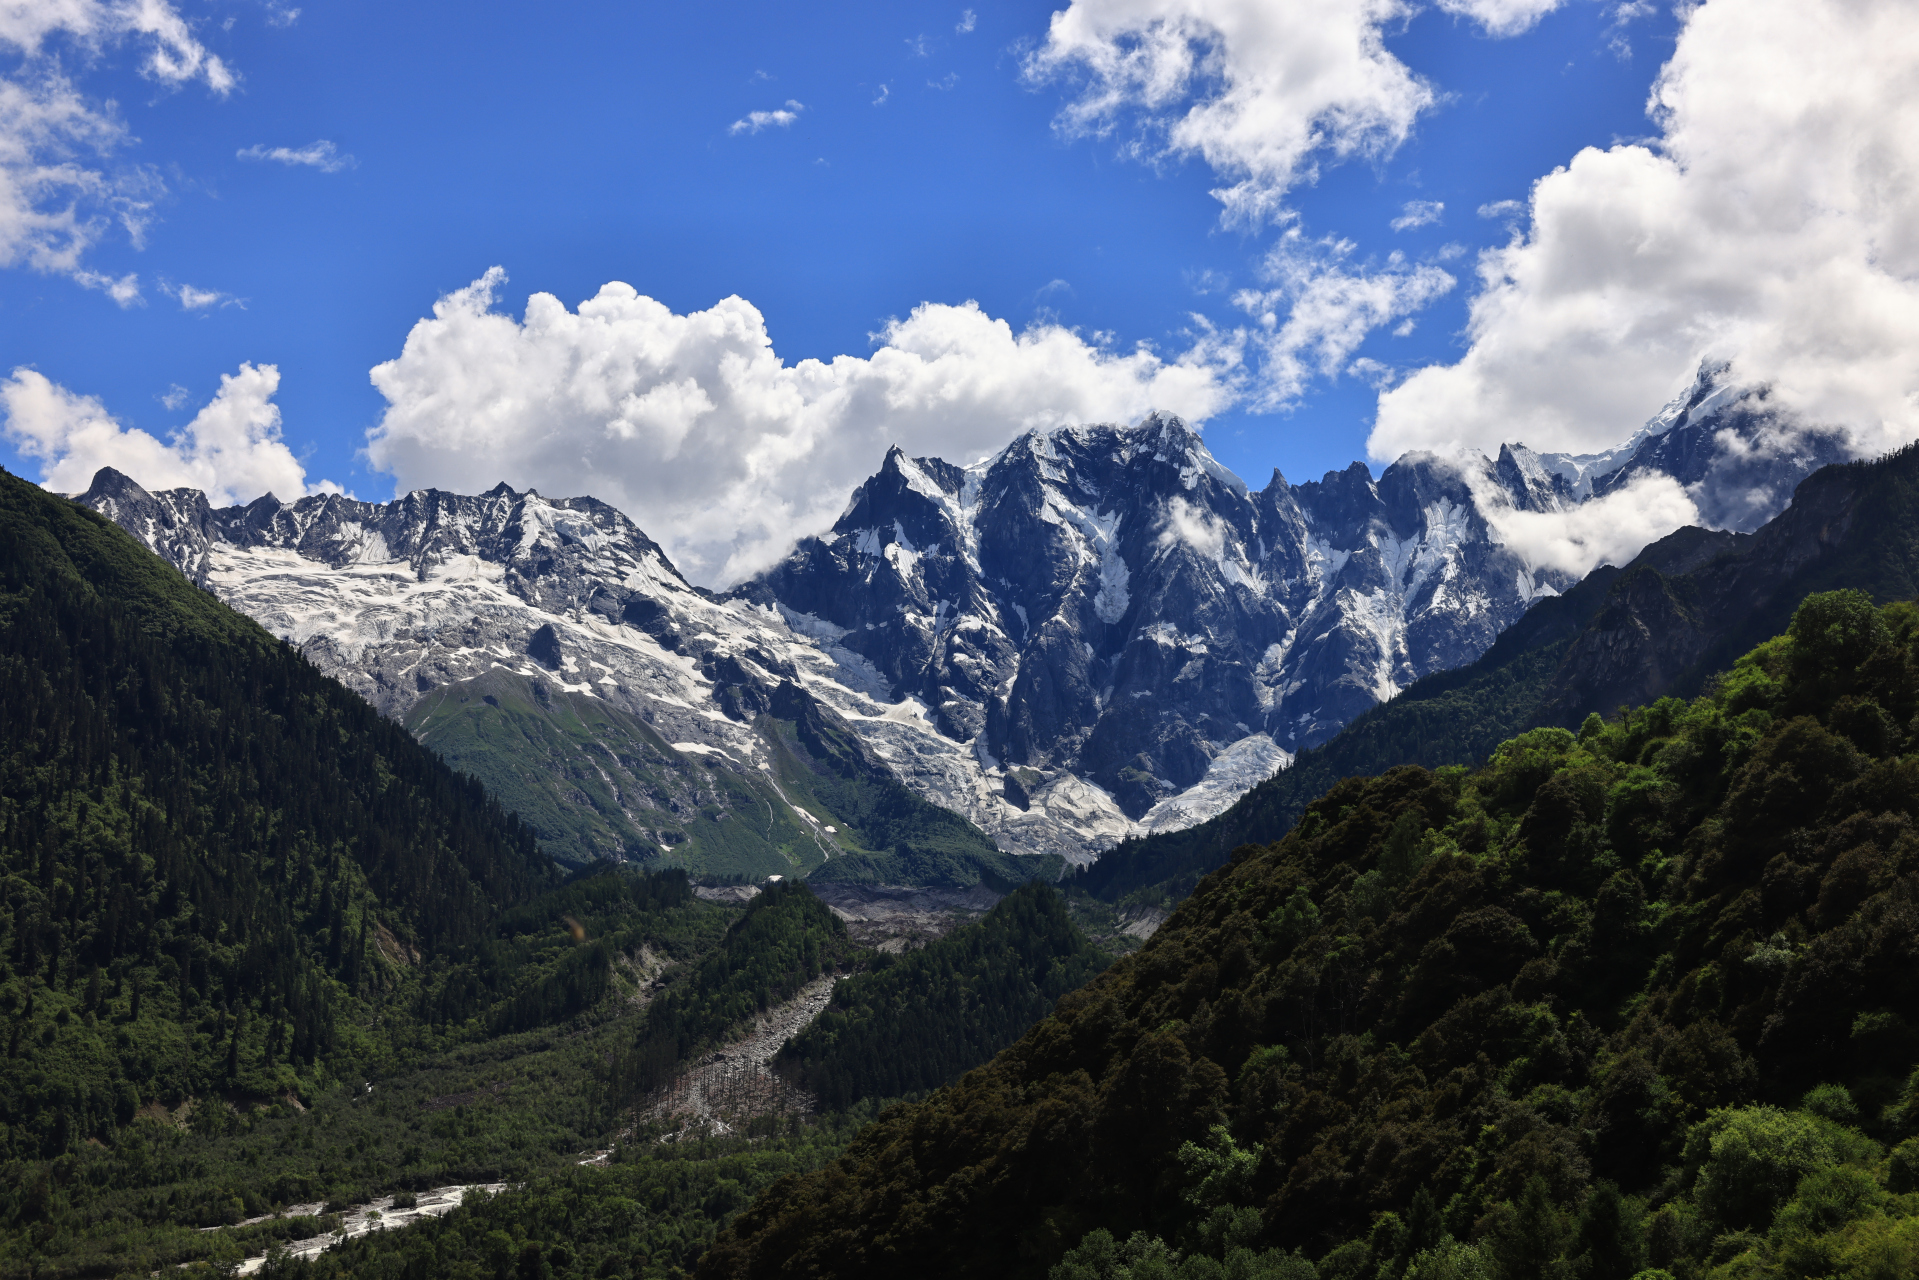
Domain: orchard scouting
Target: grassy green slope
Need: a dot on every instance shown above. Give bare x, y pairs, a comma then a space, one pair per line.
594, 781
1641, 996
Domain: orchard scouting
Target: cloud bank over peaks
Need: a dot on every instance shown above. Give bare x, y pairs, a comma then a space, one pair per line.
1261, 90
1610, 529
695, 427
232, 448
1769, 225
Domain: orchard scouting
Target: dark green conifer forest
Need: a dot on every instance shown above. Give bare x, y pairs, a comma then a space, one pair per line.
916, 1021
208, 846
1640, 997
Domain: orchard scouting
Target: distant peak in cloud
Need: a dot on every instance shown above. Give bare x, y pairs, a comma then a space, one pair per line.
321, 155
1769, 225
780, 117
1418, 213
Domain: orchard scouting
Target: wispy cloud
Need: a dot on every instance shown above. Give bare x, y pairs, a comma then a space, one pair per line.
880, 101
174, 396
945, 82
321, 155
192, 299
1502, 209
125, 290
918, 45
968, 20
1206, 280
1622, 15
754, 121
1418, 213
1327, 309
61, 187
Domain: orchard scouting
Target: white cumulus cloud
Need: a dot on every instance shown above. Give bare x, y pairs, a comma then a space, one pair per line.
719, 449
232, 448
1259, 89
1770, 224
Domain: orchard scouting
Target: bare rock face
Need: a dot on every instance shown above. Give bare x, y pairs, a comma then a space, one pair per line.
1097, 632
1111, 604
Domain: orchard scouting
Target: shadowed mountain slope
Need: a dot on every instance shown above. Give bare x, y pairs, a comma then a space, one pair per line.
1683, 608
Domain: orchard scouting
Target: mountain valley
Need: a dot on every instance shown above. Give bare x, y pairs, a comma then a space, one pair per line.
1097, 624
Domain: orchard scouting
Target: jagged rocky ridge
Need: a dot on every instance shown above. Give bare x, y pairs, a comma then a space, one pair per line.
1098, 631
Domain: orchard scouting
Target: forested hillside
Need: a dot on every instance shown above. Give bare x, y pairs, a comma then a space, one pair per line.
1640, 995
918, 1020
208, 846
1685, 607
233, 897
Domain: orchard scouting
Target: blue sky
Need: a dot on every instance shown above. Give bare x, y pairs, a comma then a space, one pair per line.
581, 143
573, 145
